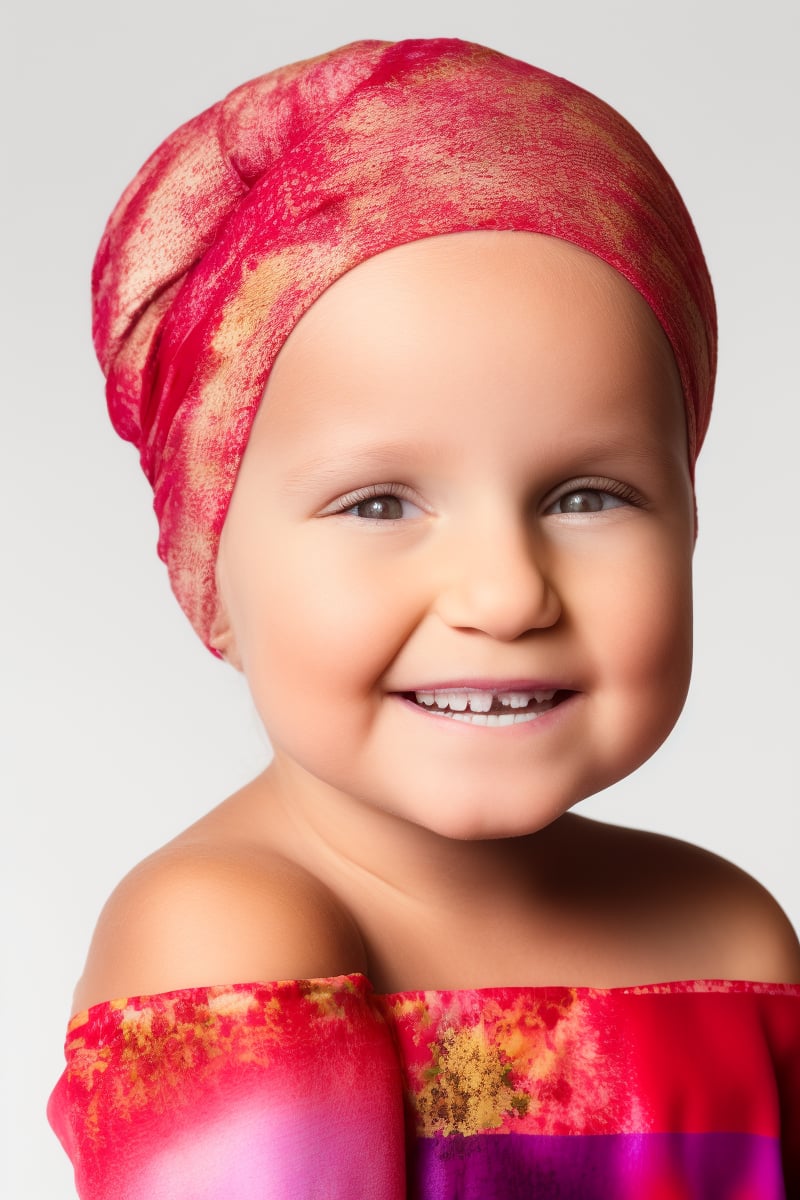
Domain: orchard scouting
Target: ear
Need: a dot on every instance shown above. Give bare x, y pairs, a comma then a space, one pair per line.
221, 637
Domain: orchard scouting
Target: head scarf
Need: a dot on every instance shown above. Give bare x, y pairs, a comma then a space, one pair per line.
248, 212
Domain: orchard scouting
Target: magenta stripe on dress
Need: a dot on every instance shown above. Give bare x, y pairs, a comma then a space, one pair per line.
658, 1166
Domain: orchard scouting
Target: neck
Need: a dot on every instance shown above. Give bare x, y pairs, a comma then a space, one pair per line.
334, 834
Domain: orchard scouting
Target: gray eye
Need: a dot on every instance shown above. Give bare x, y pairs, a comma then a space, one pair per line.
381, 507
582, 501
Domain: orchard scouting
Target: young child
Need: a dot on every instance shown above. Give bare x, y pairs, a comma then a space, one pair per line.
451, 551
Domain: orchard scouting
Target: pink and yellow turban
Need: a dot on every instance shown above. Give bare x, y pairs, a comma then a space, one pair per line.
247, 213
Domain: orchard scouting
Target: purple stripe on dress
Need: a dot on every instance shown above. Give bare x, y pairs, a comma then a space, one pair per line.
622, 1166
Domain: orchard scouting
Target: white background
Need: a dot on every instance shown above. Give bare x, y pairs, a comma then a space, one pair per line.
119, 727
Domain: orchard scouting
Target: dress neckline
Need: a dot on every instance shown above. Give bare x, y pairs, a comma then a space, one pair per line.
357, 981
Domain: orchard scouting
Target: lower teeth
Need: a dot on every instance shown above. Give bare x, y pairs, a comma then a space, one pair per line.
489, 719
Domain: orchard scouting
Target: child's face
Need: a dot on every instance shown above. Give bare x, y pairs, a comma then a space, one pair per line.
515, 409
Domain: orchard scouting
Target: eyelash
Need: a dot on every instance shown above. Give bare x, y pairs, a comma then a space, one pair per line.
604, 486
369, 493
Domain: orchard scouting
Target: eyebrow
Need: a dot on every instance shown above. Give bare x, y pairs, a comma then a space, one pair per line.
653, 451
328, 467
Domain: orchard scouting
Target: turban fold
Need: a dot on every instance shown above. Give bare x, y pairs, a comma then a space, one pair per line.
248, 212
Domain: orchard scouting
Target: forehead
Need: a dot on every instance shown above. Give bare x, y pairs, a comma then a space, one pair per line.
476, 332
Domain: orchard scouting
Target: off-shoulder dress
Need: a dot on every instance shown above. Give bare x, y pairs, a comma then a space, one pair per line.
322, 1089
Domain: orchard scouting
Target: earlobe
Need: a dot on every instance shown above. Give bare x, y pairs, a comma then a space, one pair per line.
221, 638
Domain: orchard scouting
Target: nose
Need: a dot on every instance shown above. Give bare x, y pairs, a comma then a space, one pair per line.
497, 580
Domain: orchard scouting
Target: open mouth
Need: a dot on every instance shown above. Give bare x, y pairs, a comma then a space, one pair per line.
488, 708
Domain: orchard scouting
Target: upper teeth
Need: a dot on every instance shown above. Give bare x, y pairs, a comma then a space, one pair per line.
481, 702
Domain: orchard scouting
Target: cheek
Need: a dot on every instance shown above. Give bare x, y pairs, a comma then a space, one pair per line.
642, 649
632, 618
314, 633
656, 646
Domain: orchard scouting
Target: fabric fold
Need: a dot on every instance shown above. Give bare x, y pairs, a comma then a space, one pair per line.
247, 1092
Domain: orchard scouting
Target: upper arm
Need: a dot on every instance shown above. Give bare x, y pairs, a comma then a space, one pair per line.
732, 927
193, 917
763, 944
256, 1092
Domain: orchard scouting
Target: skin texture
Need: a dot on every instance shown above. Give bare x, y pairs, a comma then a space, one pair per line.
486, 388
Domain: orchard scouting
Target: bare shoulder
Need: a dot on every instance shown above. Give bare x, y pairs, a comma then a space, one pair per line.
712, 918
193, 915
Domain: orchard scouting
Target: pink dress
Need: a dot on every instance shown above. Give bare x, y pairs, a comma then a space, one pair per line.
323, 1089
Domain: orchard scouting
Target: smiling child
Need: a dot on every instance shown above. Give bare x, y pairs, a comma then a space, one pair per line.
417, 345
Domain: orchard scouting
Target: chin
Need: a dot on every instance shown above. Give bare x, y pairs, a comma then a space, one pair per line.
481, 825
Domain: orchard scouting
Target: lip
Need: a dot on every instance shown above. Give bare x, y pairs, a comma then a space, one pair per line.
489, 685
